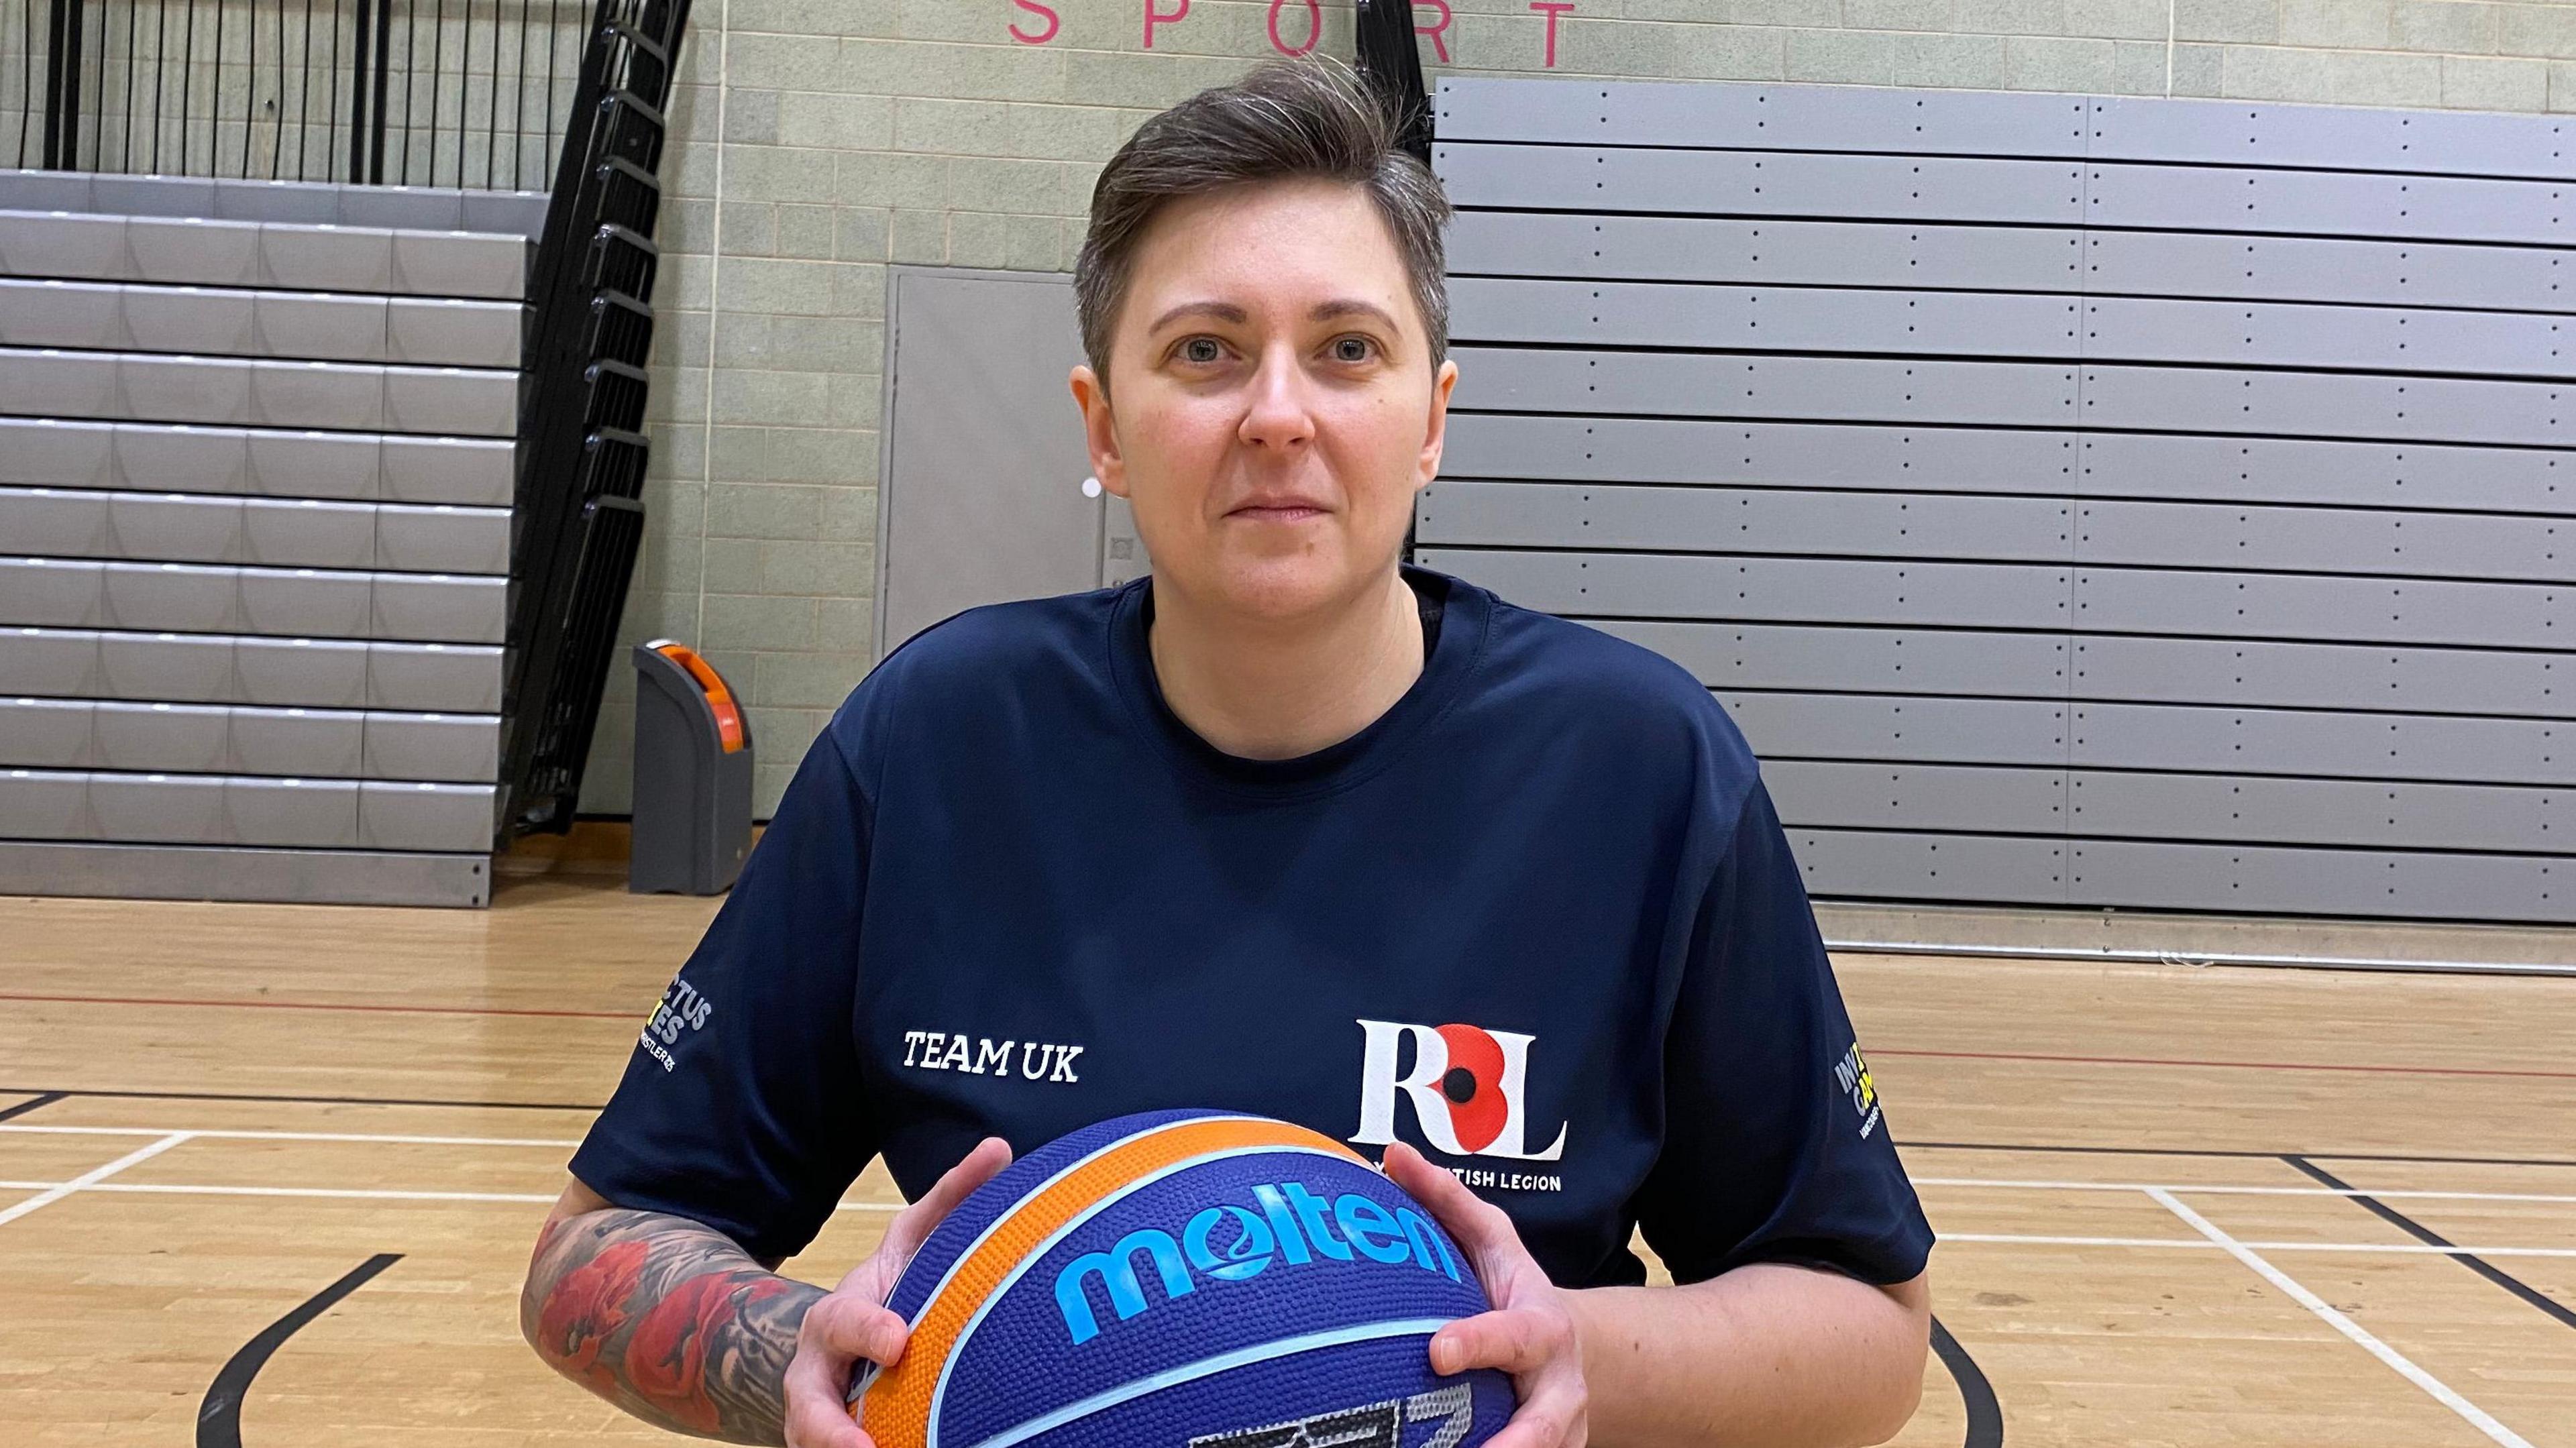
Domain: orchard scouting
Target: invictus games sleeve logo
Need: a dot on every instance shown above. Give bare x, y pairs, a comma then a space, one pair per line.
1379, 1425
680, 1009
1852, 1074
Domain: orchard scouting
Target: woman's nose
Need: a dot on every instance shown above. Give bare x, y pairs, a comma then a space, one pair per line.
1279, 411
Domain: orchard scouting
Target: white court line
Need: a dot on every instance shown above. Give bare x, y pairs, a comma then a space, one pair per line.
2441, 1392
2241, 1191
2196, 1244
382, 1138
92, 1177
350, 1193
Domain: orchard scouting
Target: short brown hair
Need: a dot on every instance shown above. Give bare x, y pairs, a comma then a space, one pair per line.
1285, 120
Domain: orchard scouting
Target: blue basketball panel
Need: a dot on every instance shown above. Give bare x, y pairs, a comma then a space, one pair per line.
1260, 1406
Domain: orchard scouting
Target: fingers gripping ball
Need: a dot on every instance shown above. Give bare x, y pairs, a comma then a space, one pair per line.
1184, 1279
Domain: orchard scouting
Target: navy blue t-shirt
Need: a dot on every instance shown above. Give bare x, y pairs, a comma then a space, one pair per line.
1539, 919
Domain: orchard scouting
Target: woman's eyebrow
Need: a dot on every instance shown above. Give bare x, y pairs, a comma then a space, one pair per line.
1229, 312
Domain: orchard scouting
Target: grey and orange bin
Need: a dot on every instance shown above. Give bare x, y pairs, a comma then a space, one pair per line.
693, 762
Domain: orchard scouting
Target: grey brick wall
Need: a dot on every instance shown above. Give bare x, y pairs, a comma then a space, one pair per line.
816, 143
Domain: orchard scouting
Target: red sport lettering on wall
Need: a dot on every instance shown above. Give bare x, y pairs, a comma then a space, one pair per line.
1438, 30
1554, 9
1314, 28
1053, 23
1154, 17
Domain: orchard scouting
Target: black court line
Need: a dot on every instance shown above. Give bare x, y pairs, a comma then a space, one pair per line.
219, 1416
2557, 1310
43, 1100
318, 1100
1985, 1415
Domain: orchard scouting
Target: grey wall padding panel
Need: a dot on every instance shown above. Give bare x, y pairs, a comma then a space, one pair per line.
257, 463
2076, 500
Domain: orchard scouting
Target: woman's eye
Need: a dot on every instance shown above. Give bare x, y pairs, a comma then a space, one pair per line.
1351, 349
1201, 349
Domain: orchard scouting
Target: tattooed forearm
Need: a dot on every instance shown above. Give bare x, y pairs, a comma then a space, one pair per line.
666, 1318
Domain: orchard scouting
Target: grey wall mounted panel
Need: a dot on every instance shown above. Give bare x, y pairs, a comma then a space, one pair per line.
36, 243
424, 816
1848, 795
322, 743
309, 532
59, 521
163, 808
2319, 269
320, 325
449, 470
1778, 454
306, 602
45, 804
51, 452
182, 597
314, 464
53, 592
160, 457
45, 190
419, 207
1748, 520
48, 661
316, 394
1818, 117
2277, 334
197, 249
2316, 404
2316, 881
248, 199
152, 388
2394, 816
440, 607
180, 668
520, 212
1886, 865
1839, 389
452, 400
48, 382
2324, 676
446, 678
2326, 203
1964, 595
209, 322
326, 258
1857, 660
1815, 319
186, 738
2311, 470
442, 538
311, 813
459, 264
456, 747
1740, 183
453, 332
44, 733
1917, 730
2361, 138
183, 872
2323, 540
61, 314
2291, 606
1777, 251
174, 526
324, 673
2327, 745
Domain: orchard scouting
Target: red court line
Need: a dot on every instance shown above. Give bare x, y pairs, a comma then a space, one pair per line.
325, 1006
2227, 1065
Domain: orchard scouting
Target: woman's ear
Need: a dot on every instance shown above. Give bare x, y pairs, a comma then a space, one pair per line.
1436, 432
1099, 430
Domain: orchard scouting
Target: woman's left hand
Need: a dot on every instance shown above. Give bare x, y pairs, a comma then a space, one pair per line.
1530, 1334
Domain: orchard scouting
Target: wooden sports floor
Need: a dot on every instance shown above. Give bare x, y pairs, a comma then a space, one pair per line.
268, 1176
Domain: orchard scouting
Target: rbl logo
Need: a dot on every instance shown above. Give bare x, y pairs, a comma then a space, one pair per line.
1467, 1086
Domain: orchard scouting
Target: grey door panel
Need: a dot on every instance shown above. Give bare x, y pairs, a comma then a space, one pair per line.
1730, 520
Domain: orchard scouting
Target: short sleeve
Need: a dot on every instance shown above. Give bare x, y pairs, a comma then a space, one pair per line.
1775, 1143
742, 1107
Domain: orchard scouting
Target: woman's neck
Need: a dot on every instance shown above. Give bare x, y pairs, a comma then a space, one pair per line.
1276, 690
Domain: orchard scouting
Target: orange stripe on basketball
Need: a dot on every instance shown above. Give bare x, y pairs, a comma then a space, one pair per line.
896, 1410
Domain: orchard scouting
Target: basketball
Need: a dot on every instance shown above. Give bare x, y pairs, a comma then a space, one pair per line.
1184, 1278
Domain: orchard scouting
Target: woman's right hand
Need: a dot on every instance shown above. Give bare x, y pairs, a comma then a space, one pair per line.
852, 1324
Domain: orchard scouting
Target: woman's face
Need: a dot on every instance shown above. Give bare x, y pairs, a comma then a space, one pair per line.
1275, 408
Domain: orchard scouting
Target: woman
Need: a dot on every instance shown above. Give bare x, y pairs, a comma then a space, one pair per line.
1287, 828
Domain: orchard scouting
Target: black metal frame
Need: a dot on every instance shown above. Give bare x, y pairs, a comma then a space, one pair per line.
582, 453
